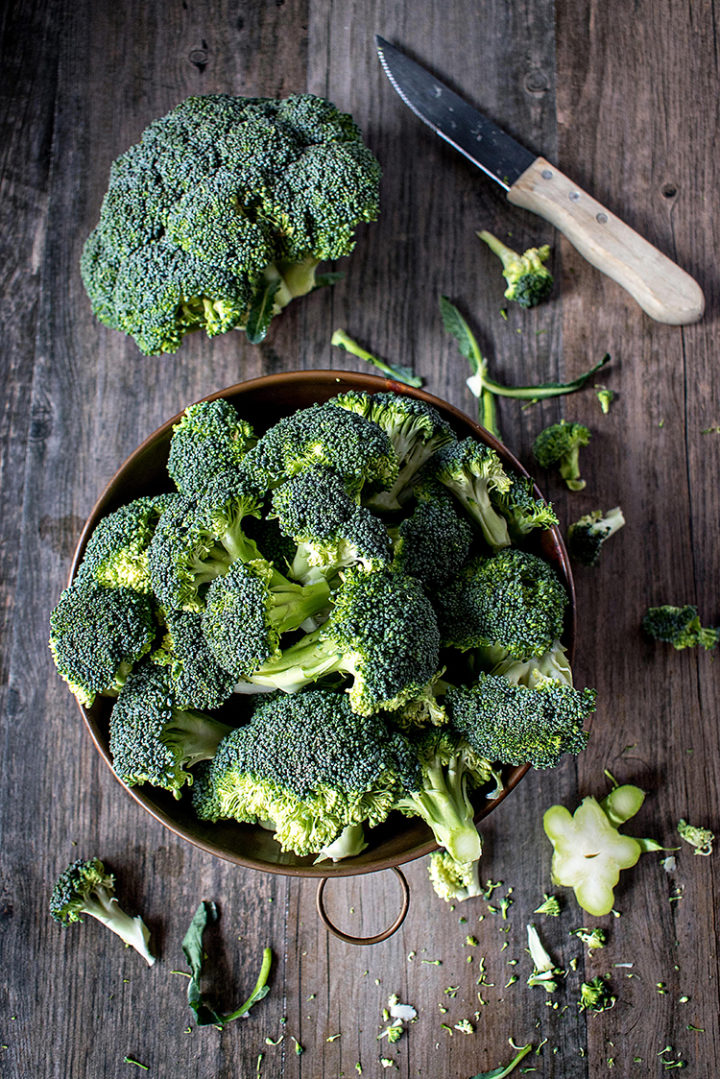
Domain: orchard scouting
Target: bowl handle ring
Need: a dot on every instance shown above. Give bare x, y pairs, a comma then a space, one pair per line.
378, 937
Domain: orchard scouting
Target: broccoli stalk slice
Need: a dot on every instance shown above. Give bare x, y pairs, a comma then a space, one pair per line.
529, 282
444, 805
405, 375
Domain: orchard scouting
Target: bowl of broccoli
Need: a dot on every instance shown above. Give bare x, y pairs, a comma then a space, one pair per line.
322, 622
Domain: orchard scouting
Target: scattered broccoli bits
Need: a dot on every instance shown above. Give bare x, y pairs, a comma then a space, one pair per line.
222, 212
529, 282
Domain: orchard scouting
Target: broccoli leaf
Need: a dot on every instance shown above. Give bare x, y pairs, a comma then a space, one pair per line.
261, 313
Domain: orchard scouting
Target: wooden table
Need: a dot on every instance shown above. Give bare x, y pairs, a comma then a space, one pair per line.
624, 97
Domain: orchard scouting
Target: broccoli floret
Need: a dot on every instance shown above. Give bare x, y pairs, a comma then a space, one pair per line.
219, 216
528, 672
353, 445
195, 542
679, 626
248, 610
152, 740
450, 769
587, 536
97, 635
415, 429
433, 542
471, 471
701, 839
209, 439
116, 553
330, 529
198, 680
529, 282
453, 881
382, 631
595, 996
511, 604
559, 446
512, 724
343, 770
86, 887
522, 511
593, 938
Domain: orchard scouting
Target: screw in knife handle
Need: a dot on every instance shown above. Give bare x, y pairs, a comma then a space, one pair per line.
664, 291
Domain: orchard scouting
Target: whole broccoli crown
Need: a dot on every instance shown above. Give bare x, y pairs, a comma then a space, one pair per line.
587, 535
324, 435
96, 634
512, 599
458, 463
73, 887
216, 192
679, 626
209, 439
116, 553
237, 622
521, 509
315, 508
433, 542
557, 441
386, 628
198, 680
512, 724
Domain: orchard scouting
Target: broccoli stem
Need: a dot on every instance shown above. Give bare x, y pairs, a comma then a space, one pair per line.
350, 842
105, 908
197, 736
400, 374
445, 807
507, 256
293, 604
303, 662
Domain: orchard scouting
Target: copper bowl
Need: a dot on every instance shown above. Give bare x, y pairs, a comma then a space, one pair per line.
263, 401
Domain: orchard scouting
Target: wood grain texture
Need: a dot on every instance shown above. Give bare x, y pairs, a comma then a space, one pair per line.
623, 98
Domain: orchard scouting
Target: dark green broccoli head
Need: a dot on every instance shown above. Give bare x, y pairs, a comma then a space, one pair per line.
433, 542
116, 553
209, 439
219, 215
472, 471
198, 680
75, 886
343, 769
329, 528
512, 603
522, 511
513, 724
97, 634
151, 740
529, 281
558, 446
587, 536
679, 626
359, 451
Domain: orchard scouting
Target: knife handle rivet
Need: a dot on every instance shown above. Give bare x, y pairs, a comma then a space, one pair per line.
602, 218
574, 196
546, 174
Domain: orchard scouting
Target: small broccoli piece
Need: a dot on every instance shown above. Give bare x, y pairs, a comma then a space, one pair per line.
587, 536
209, 439
153, 741
221, 213
593, 938
605, 397
512, 724
472, 471
116, 553
86, 887
550, 907
353, 445
415, 429
343, 770
198, 680
544, 973
595, 996
381, 631
195, 542
701, 839
522, 511
559, 446
433, 542
406, 375
97, 635
248, 610
529, 282
679, 626
450, 769
453, 881
330, 529
511, 604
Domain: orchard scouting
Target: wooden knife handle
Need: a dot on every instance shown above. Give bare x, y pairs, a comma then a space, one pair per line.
662, 289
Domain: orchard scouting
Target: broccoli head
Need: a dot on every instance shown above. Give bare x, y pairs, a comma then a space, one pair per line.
559, 446
198, 680
116, 553
587, 536
221, 213
679, 626
97, 635
433, 541
151, 740
343, 770
529, 282
472, 471
86, 887
209, 439
522, 511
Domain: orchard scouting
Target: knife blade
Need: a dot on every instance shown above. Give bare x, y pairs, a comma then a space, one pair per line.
662, 289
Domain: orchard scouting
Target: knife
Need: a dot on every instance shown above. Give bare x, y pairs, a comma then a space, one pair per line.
663, 290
